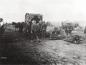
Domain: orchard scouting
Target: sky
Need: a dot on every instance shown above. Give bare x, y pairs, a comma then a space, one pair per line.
54, 11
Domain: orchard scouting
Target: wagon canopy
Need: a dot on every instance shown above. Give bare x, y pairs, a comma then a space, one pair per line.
79, 33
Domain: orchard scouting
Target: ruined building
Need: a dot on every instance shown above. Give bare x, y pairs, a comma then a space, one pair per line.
30, 16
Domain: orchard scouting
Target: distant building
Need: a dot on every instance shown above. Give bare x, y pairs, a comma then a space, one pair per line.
30, 16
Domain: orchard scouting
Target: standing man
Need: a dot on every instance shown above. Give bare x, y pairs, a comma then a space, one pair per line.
35, 31
85, 30
35, 27
44, 26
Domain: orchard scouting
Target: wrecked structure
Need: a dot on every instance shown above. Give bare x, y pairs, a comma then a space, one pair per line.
30, 16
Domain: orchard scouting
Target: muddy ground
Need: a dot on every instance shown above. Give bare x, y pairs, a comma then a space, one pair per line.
46, 52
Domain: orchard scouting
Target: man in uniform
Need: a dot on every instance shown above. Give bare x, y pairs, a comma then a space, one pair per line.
35, 30
44, 26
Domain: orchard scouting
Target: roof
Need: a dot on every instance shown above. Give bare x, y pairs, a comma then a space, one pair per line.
33, 14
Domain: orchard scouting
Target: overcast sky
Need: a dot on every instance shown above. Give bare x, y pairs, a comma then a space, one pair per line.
52, 10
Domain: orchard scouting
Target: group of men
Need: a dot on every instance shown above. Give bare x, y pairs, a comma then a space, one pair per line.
36, 30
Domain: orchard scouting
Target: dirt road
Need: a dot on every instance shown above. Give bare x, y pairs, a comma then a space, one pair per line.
45, 53
56, 52
65, 52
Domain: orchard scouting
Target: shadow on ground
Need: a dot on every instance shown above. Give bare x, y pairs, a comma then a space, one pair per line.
10, 53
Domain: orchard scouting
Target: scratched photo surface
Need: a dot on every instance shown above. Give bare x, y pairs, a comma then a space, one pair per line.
42, 32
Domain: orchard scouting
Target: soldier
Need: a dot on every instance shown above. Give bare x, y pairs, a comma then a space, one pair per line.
40, 29
44, 26
85, 30
35, 30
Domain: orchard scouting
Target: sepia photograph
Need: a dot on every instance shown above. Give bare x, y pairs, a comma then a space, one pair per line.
42, 32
